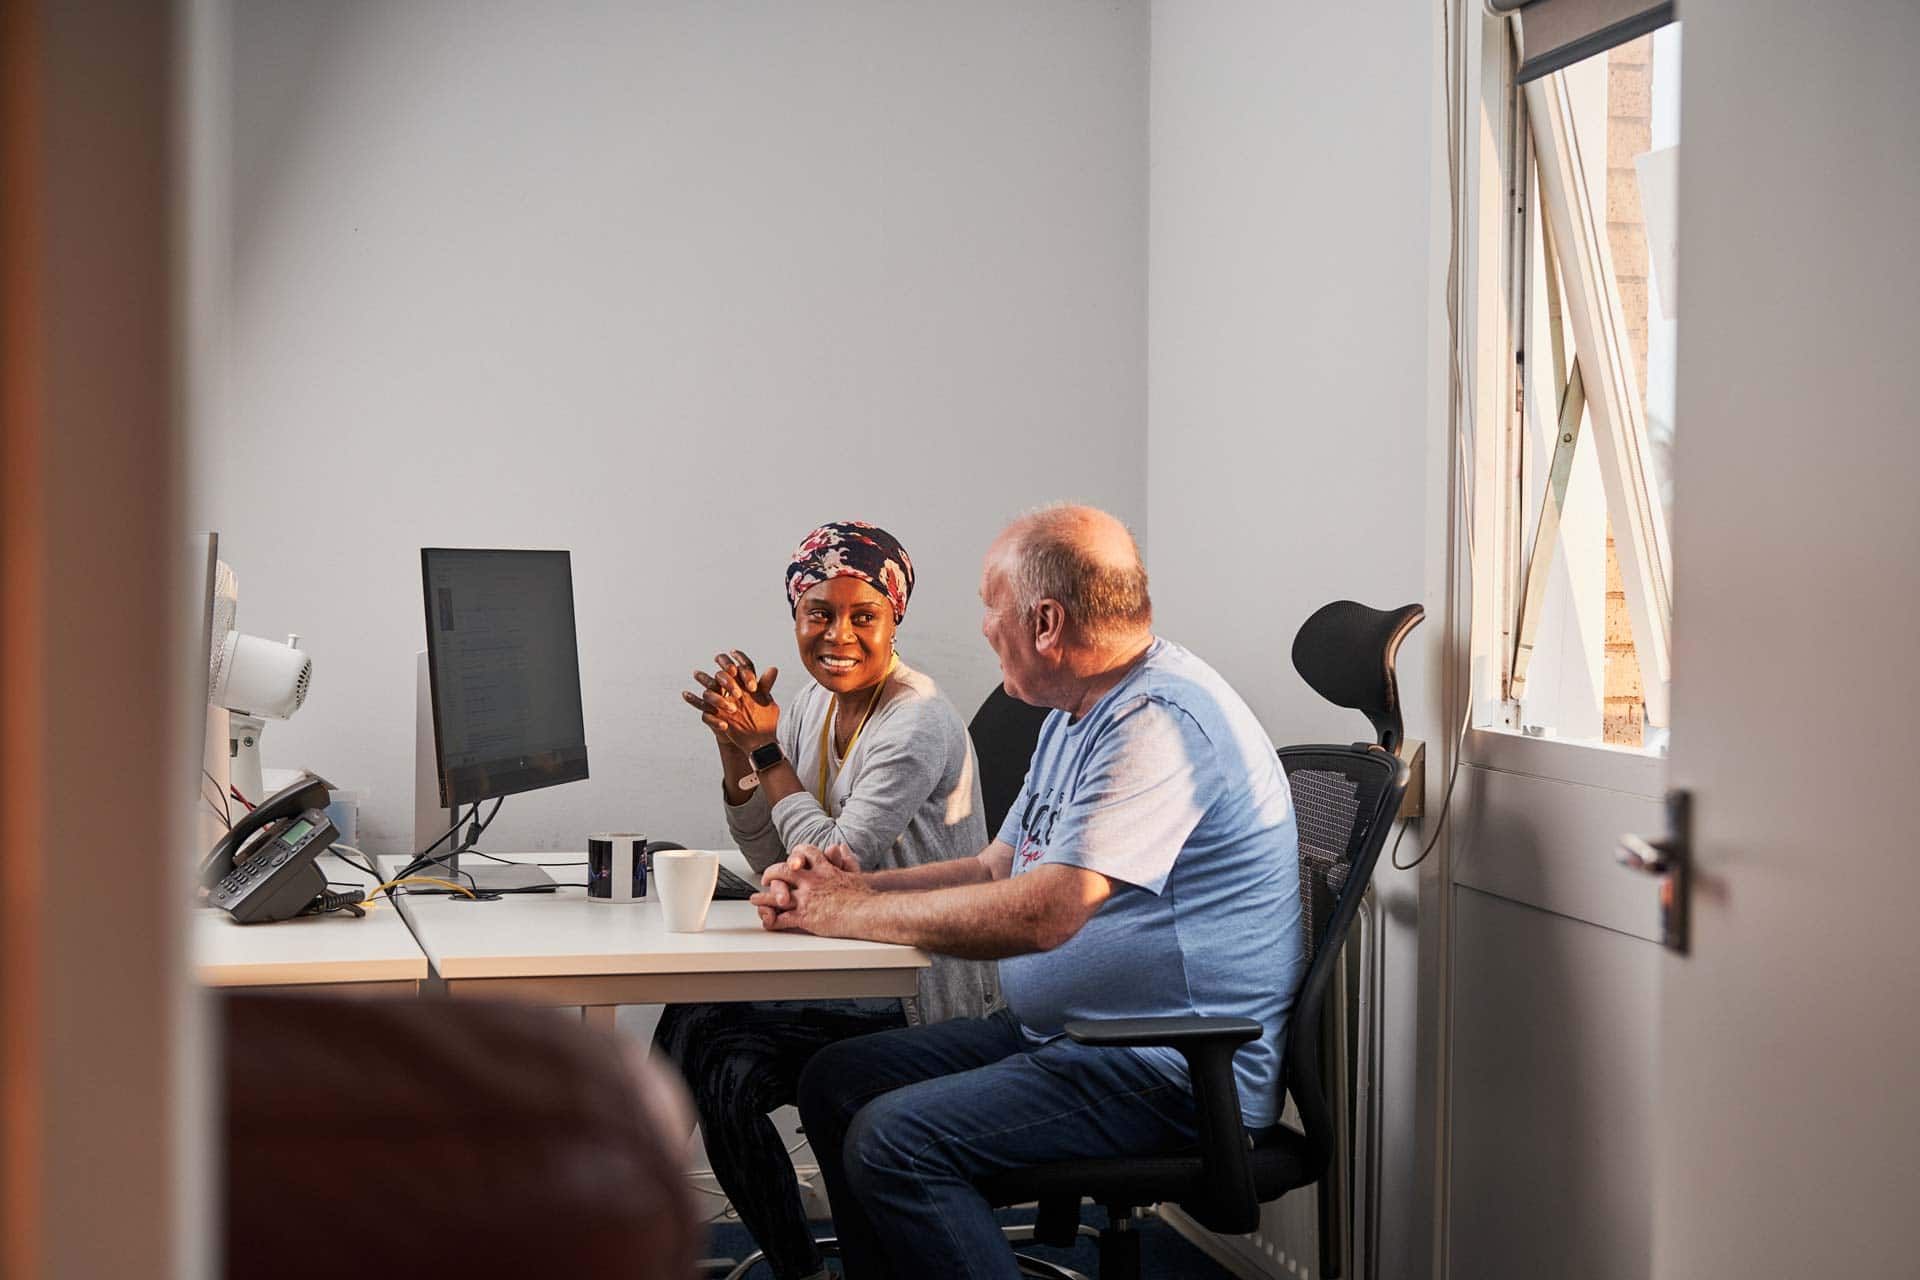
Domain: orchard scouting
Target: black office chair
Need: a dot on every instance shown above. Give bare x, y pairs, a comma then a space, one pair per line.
1004, 732
1345, 799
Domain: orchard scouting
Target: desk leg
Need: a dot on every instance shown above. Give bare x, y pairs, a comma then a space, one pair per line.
600, 1015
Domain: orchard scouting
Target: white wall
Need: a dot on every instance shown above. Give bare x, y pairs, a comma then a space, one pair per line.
665, 284
1291, 456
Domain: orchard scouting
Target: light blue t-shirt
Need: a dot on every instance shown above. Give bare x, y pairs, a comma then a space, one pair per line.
1170, 787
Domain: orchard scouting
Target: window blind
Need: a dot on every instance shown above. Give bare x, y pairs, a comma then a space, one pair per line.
1559, 33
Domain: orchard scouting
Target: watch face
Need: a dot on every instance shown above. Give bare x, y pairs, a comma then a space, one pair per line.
766, 757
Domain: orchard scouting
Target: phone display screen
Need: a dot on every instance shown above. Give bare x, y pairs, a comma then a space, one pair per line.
294, 834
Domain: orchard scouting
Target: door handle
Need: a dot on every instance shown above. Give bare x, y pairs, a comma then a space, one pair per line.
1670, 858
1637, 853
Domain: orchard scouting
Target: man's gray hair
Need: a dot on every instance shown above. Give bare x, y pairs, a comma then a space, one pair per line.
1053, 559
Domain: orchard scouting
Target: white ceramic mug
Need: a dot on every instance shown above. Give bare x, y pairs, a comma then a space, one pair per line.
685, 880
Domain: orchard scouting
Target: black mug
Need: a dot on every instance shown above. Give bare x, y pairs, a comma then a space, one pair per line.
610, 853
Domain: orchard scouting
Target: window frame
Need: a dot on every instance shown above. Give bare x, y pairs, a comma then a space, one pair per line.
1523, 154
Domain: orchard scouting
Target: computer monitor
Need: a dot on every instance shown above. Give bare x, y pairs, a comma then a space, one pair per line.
503, 662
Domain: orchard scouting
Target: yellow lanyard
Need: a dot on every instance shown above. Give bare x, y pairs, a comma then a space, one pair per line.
826, 731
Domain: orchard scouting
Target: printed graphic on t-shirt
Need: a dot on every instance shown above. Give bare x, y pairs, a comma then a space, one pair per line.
1036, 828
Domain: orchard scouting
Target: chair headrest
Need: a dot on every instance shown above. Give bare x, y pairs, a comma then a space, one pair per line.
1345, 651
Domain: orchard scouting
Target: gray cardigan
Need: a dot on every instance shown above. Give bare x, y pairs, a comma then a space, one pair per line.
908, 793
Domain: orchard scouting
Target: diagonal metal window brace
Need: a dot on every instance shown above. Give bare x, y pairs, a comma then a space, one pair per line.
1600, 384
1546, 534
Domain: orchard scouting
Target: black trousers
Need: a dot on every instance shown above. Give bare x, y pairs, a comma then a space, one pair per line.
742, 1061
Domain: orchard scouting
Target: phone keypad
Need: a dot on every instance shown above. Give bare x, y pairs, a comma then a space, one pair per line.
243, 875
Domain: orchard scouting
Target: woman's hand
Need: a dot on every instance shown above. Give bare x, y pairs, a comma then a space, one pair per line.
841, 856
708, 714
737, 703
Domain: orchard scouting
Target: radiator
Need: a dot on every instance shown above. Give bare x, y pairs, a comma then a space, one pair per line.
1288, 1241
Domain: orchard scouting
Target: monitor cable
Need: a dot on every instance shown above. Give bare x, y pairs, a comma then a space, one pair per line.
426, 856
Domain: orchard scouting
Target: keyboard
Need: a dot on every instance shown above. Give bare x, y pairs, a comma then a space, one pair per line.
731, 888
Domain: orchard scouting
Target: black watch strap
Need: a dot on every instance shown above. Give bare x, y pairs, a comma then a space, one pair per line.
766, 757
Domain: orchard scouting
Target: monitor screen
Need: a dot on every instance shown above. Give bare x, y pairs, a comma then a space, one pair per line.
504, 664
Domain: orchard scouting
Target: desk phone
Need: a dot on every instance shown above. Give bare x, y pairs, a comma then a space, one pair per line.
280, 878
265, 869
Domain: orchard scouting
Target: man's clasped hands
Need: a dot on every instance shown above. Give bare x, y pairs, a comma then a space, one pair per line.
811, 891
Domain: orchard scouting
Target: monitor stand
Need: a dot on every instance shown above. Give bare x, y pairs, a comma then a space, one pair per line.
500, 877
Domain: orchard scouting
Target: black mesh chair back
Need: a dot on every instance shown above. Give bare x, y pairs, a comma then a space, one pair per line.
1345, 799
1004, 731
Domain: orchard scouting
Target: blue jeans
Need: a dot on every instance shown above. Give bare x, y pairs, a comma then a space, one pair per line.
903, 1123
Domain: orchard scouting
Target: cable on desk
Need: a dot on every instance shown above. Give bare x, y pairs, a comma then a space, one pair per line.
365, 867
327, 903
514, 862
490, 857
368, 901
474, 832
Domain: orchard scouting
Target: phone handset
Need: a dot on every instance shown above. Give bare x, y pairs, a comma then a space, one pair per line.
309, 792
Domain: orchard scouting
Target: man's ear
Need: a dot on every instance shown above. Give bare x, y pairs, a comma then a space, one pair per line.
1049, 624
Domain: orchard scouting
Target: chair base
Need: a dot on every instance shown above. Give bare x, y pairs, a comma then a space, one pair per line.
830, 1248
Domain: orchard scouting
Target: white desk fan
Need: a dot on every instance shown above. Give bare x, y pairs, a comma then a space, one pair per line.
256, 680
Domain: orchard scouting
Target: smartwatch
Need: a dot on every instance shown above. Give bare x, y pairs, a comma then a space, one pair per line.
765, 757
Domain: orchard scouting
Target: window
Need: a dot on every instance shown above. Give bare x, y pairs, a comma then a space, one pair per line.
1573, 399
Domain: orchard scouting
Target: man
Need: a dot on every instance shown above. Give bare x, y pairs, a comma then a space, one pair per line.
1149, 868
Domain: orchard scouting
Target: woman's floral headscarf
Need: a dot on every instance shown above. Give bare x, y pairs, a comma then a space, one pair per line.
852, 549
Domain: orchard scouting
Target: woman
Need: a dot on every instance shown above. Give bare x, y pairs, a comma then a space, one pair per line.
868, 755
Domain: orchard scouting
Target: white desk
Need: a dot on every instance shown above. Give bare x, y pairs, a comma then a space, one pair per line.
562, 949
374, 955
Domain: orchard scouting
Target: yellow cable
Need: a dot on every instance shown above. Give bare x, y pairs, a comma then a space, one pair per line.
371, 901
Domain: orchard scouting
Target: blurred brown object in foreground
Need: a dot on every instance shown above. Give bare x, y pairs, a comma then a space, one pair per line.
433, 1137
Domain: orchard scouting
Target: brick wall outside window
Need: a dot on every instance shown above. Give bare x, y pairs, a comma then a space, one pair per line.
1629, 134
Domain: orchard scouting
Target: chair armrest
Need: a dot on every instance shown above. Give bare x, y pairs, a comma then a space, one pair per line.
1170, 1033
1208, 1045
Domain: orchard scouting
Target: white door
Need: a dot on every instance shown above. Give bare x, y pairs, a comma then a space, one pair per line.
1788, 1110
